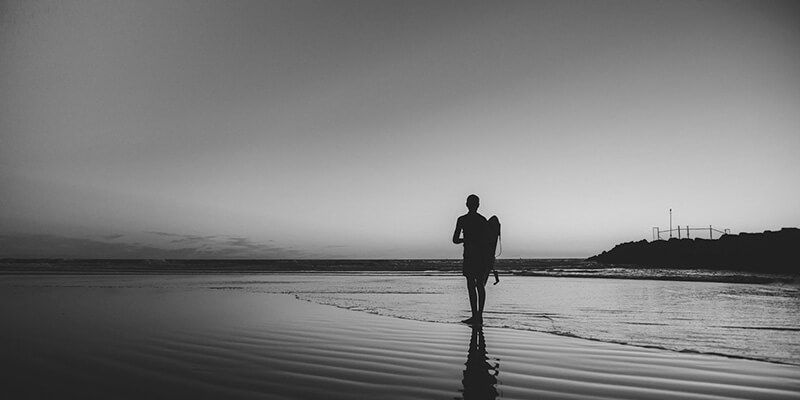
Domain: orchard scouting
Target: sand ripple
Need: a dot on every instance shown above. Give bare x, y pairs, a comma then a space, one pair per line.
201, 343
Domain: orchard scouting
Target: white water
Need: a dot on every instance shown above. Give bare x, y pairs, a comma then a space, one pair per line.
740, 320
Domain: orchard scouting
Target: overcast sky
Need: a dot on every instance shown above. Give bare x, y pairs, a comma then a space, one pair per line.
356, 129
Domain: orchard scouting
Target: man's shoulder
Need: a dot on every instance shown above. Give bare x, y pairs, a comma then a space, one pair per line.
472, 217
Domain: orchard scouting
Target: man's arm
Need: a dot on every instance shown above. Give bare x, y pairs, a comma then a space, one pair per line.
457, 234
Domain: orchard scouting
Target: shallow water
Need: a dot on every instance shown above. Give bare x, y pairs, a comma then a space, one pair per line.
184, 337
740, 320
758, 321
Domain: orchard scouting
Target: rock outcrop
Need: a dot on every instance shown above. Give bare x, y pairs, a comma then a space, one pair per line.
773, 252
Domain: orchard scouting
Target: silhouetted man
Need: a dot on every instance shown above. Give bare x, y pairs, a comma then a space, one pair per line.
476, 260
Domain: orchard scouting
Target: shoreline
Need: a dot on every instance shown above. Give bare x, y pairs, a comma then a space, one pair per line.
227, 343
590, 367
773, 337
572, 336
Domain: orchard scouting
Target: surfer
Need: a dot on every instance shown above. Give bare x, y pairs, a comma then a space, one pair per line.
477, 261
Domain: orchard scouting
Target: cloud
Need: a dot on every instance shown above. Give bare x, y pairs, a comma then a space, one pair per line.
182, 238
113, 236
181, 247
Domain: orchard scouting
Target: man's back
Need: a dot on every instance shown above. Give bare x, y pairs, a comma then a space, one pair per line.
474, 228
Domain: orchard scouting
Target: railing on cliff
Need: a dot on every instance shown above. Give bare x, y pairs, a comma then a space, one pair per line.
687, 230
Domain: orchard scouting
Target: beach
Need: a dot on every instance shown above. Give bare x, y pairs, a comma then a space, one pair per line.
167, 337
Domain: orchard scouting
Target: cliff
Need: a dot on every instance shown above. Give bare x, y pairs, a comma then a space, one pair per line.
773, 252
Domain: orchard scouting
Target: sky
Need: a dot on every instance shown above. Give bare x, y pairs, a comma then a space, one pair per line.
356, 129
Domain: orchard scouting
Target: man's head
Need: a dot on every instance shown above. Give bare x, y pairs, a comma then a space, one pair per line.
473, 202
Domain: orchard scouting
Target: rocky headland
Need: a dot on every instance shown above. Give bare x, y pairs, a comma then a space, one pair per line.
769, 251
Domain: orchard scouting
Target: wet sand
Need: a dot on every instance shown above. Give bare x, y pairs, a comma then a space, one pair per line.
165, 343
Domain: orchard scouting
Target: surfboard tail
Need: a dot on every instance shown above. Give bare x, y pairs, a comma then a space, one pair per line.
493, 235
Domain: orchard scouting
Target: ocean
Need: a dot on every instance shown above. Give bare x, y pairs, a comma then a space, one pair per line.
732, 314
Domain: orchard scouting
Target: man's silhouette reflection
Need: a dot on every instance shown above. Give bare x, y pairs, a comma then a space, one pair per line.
480, 376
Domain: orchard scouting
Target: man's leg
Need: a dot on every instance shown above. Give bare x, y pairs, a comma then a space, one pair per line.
472, 289
481, 289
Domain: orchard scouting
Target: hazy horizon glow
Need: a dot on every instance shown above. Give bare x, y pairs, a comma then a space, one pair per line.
347, 129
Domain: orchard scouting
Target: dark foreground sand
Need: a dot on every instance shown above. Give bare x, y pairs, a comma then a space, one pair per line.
228, 344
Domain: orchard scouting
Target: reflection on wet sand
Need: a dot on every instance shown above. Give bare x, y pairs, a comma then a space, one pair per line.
480, 374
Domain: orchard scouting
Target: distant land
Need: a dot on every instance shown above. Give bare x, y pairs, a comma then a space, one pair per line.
767, 252
746, 257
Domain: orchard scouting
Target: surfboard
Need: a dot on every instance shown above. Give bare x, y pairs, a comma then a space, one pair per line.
492, 236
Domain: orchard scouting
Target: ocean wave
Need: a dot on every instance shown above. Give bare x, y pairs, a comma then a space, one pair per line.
573, 268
